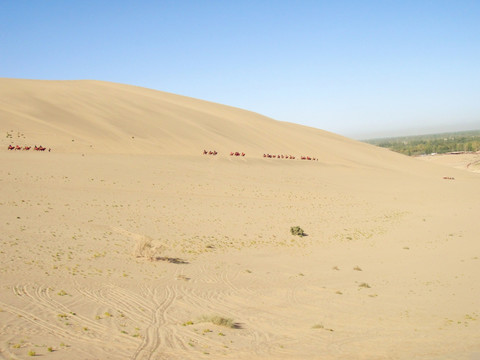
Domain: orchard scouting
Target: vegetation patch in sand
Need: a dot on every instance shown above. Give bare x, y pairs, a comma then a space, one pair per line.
218, 320
297, 230
145, 248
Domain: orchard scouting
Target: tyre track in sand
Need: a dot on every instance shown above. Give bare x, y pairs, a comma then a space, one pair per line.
226, 299
73, 337
157, 334
46, 325
41, 297
101, 296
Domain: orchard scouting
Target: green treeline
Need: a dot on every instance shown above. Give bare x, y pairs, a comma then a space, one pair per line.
428, 144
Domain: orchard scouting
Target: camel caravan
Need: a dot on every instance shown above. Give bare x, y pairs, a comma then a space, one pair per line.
26, 148
266, 155
290, 157
236, 153
308, 158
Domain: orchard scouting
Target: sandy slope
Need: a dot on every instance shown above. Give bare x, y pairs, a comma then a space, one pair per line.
389, 269
468, 161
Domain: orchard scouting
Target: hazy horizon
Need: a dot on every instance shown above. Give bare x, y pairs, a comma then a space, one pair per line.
421, 132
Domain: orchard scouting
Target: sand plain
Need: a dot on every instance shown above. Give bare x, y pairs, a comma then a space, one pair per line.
389, 270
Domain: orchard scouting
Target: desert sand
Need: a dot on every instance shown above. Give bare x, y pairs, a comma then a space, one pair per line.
126, 242
464, 161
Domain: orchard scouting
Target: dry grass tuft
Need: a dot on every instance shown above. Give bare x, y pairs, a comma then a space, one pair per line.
146, 249
218, 320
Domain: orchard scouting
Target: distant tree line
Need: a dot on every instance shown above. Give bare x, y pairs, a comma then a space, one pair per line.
466, 141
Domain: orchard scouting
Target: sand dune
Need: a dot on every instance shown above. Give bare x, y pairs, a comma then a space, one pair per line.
128, 243
101, 117
466, 161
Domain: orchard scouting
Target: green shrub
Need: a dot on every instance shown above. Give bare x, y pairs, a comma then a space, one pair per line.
297, 230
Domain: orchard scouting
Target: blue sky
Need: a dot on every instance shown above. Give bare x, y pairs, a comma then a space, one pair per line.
357, 68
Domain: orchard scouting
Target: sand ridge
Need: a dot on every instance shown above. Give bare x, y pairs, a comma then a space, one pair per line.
388, 270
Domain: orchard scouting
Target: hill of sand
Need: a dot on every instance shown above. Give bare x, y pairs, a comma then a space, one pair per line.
125, 242
464, 161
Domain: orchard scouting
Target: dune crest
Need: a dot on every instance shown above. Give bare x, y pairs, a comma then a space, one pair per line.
102, 117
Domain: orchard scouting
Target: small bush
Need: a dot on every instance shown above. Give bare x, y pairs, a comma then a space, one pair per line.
297, 230
146, 249
218, 320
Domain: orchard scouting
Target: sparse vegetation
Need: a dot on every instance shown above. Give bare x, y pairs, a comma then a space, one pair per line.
320, 326
218, 320
146, 249
297, 230
435, 143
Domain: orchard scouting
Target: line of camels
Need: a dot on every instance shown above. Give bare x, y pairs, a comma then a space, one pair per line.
26, 148
236, 153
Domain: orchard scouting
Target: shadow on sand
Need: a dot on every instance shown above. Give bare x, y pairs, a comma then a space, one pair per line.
171, 260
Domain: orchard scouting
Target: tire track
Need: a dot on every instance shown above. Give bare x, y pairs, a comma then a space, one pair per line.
47, 325
127, 300
226, 280
153, 339
216, 302
42, 296
55, 330
101, 298
42, 299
